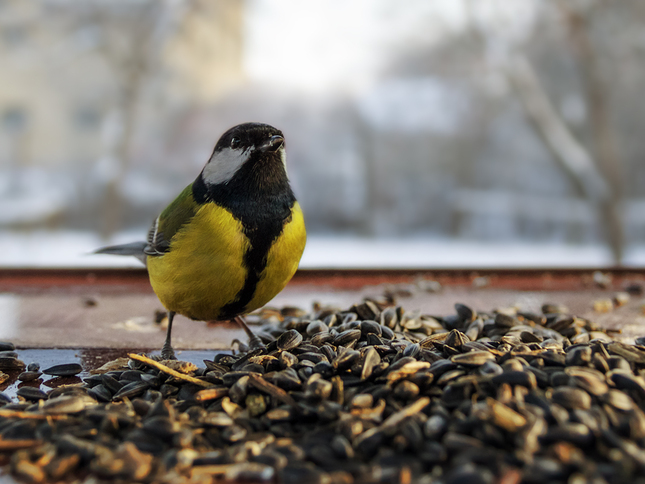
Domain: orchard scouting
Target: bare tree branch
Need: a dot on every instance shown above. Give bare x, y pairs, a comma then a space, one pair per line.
577, 23
134, 50
595, 177
565, 148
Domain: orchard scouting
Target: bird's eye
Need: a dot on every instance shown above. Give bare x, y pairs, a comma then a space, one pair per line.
235, 143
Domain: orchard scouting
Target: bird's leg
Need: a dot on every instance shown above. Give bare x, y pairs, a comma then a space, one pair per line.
167, 353
254, 341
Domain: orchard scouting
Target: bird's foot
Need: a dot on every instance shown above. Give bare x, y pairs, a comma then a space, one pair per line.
239, 346
167, 353
255, 343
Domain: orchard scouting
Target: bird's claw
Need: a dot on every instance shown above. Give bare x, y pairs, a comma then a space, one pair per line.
167, 353
255, 343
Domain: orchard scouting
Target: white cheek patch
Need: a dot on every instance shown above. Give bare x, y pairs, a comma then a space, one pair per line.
283, 157
224, 164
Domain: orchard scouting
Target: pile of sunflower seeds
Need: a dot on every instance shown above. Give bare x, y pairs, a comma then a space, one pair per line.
373, 394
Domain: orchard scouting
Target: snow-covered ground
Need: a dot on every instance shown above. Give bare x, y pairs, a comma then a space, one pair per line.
73, 249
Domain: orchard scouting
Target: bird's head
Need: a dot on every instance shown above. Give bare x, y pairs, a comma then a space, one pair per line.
249, 149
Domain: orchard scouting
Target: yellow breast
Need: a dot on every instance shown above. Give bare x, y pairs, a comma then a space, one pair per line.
282, 260
204, 269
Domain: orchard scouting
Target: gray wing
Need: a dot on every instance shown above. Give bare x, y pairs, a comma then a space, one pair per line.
135, 249
155, 245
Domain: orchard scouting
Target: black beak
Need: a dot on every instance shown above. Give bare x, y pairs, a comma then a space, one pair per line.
274, 143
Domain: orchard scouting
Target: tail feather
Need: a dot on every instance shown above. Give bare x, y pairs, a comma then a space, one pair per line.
134, 248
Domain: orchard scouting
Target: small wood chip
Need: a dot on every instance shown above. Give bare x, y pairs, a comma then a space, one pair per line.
118, 364
184, 367
211, 470
169, 371
9, 445
29, 415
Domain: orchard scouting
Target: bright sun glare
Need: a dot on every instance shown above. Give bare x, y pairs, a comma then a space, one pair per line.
322, 44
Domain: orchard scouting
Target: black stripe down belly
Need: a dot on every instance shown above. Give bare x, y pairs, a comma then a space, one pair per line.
261, 239
263, 215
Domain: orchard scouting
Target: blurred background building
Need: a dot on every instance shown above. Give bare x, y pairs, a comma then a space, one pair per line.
477, 122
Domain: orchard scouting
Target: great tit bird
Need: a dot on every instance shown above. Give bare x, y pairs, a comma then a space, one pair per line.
232, 239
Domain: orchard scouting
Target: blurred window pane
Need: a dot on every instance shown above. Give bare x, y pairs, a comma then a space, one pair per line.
14, 120
13, 35
486, 122
87, 119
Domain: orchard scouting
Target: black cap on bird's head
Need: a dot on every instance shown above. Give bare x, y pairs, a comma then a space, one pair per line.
246, 150
251, 135
248, 163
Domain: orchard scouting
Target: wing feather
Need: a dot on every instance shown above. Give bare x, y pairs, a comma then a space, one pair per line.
171, 220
